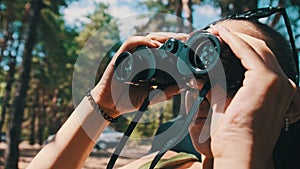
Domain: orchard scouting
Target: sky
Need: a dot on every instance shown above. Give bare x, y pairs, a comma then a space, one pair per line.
76, 11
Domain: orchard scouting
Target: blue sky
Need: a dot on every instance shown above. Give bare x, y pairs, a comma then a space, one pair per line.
76, 11
202, 15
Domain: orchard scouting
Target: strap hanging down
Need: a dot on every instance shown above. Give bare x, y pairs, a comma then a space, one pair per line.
169, 144
194, 109
127, 134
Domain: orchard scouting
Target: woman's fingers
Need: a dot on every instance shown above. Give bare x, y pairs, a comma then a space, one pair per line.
152, 40
136, 41
263, 51
254, 53
163, 36
249, 58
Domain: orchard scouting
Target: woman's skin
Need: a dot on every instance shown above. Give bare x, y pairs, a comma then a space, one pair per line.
251, 124
244, 138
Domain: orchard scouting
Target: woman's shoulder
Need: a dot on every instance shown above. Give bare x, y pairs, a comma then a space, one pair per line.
170, 159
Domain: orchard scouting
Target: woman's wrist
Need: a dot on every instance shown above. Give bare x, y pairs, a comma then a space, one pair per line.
230, 163
232, 147
236, 156
108, 113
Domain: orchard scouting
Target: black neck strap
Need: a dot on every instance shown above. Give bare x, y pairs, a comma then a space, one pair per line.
184, 130
194, 109
127, 134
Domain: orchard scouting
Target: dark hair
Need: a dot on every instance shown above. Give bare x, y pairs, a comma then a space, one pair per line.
281, 48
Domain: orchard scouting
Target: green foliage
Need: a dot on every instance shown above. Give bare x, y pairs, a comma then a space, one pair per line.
159, 6
53, 60
97, 40
98, 20
54, 55
58, 46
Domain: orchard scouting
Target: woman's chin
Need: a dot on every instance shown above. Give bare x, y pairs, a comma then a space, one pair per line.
204, 149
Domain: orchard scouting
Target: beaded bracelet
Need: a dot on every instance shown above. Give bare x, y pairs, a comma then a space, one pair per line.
96, 107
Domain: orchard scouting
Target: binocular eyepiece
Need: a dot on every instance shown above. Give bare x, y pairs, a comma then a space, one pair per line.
174, 59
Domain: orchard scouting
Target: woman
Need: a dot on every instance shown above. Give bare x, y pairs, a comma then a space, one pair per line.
242, 140
251, 124
250, 127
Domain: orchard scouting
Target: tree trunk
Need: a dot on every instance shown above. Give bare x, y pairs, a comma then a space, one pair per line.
161, 117
178, 12
12, 67
32, 126
54, 122
7, 91
35, 111
176, 105
187, 8
41, 117
14, 130
12, 62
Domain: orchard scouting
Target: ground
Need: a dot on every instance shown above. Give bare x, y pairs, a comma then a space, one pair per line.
97, 159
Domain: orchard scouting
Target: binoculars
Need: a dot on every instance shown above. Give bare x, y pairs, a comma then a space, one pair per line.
175, 60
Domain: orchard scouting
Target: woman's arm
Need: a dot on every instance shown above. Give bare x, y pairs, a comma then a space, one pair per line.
76, 138
74, 141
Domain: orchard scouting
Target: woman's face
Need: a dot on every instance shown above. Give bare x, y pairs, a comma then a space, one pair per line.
210, 111
207, 118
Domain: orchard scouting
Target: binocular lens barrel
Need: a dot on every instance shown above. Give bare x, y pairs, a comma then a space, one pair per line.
125, 67
138, 66
199, 53
203, 55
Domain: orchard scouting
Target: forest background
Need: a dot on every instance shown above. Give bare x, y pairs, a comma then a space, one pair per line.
39, 45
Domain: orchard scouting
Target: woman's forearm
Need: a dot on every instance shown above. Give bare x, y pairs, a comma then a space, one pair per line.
74, 140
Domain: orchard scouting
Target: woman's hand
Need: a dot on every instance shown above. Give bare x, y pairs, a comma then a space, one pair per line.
115, 97
252, 122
